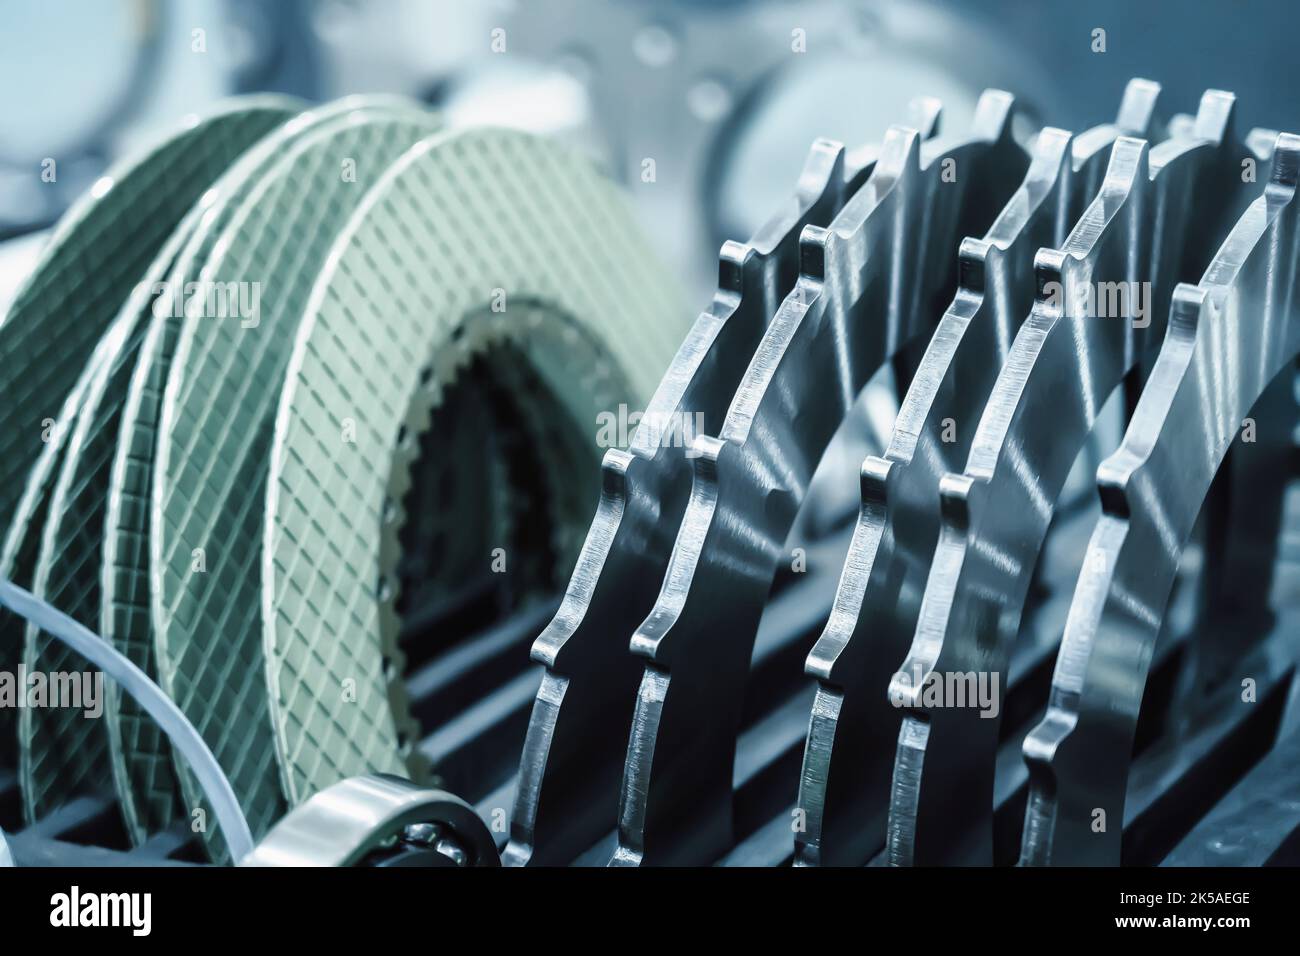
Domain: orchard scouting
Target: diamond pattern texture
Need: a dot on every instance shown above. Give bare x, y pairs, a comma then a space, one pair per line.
65, 753
214, 438
141, 758
97, 254
408, 291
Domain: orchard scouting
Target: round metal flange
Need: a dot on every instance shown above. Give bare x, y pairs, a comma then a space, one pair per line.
492, 237
356, 820
215, 429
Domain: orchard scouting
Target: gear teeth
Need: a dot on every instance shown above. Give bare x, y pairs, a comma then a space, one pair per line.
1180, 432
844, 798
576, 736
484, 336
924, 114
996, 513
443, 370
1137, 108
861, 272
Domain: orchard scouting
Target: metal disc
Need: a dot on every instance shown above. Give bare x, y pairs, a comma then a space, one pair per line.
850, 312
844, 782
1151, 490
573, 748
1062, 365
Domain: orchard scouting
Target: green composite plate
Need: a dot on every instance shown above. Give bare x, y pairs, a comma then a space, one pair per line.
53, 329
465, 223
214, 438
62, 752
141, 759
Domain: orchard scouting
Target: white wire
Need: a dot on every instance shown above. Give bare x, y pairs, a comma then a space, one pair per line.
184, 737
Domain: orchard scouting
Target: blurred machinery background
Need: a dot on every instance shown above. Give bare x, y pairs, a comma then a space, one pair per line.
707, 89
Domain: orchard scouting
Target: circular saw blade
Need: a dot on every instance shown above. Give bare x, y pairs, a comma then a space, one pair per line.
214, 433
466, 220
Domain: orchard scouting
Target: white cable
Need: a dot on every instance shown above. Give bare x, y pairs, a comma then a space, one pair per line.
148, 695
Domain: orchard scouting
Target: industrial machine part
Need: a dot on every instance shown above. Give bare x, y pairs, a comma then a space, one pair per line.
143, 779
215, 428
589, 350
874, 614
243, 504
1133, 234
861, 301
557, 272
1228, 337
380, 819
51, 334
572, 751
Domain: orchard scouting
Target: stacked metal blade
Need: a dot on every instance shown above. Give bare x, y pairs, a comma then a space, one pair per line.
978, 271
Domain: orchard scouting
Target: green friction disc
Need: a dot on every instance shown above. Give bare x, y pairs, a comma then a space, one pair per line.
474, 241
98, 253
142, 762
215, 435
62, 753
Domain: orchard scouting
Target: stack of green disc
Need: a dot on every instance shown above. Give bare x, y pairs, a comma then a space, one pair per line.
57, 328
214, 435
238, 365
474, 238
